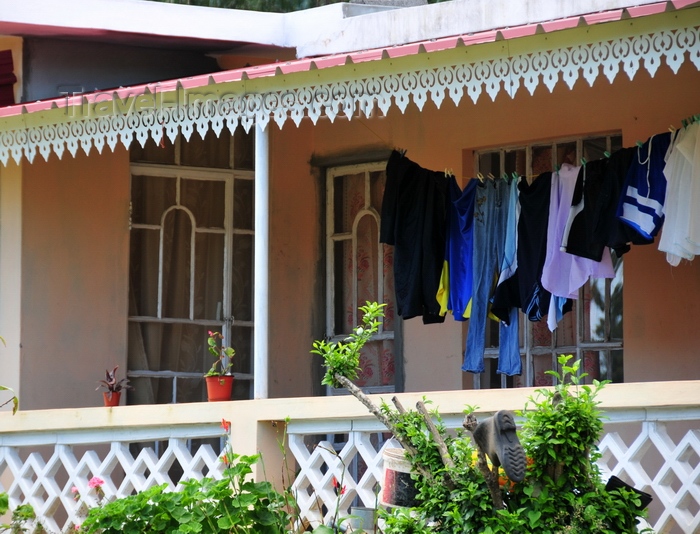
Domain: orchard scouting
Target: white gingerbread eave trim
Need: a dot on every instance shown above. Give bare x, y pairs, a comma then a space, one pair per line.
509, 66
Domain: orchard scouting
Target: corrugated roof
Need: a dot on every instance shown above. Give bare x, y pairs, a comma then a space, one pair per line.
335, 60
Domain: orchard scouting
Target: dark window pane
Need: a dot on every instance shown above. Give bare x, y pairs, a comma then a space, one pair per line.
595, 148
206, 199
515, 162
242, 277
344, 307
542, 363
209, 276
150, 197
168, 347
377, 182
566, 153
566, 330
242, 341
243, 204
143, 272
490, 162
541, 159
177, 252
615, 143
367, 262
349, 200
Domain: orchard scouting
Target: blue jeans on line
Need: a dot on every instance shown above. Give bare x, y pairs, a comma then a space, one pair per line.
490, 217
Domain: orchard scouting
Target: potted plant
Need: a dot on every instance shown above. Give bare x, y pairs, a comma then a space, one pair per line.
113, 386
219, 378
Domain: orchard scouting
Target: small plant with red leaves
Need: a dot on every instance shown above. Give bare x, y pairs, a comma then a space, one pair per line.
223, 354
111, 384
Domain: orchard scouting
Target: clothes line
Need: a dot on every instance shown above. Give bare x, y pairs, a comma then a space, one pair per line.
541, 237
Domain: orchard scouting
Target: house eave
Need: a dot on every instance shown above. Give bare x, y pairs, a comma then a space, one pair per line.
360, 83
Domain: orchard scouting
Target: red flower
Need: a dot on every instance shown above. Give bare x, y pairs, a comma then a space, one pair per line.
226, 425
336, 484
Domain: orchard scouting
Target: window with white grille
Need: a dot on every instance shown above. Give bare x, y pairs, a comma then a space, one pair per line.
592, 332
359, 268
191, 264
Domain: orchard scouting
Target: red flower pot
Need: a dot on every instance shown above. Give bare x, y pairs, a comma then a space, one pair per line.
219, 387
114, 401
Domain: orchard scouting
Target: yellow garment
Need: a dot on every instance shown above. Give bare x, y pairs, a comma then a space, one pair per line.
443, 292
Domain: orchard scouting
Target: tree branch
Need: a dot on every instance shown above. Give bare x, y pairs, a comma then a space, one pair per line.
364, 399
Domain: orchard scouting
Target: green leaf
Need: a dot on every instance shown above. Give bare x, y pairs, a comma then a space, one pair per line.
534, 517
323, 529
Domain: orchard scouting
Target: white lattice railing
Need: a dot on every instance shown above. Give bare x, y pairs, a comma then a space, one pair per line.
43, 454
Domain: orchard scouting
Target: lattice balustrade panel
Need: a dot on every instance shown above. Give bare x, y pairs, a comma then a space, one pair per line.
668, 469
46, 477
671, 474
330, 476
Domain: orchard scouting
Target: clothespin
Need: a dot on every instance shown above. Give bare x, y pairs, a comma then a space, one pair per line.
515, 175
480, 177
583, 161
491, 176
402, 151
557, 167
684, 122
606, 154
640, 144
671, 129
505, 176
448, 172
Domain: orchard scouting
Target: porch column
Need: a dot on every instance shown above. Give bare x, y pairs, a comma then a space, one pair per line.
262, 276
10, 276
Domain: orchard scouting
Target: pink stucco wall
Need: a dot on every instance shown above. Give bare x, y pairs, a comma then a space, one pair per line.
74, 277
75, 240
661, 303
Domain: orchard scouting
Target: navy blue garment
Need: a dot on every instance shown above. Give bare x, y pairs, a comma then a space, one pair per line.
414, 210
644, 193
607, 228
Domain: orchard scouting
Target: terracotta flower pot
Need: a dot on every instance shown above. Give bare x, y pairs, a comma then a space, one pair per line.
114, 401
219, 388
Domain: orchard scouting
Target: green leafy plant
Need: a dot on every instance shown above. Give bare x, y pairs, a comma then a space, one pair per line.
111, 384
234, 504
20, 517
222, 365
457, 492
342, 358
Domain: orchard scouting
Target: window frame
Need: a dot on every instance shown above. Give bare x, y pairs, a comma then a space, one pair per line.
331, 238
229, 176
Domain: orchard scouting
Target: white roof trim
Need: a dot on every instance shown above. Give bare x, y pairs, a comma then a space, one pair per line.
347, 93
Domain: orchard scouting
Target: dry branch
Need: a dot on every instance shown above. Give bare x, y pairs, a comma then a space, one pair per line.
364, 399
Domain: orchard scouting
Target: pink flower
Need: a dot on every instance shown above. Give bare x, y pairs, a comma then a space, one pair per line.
74, 489
95, 482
